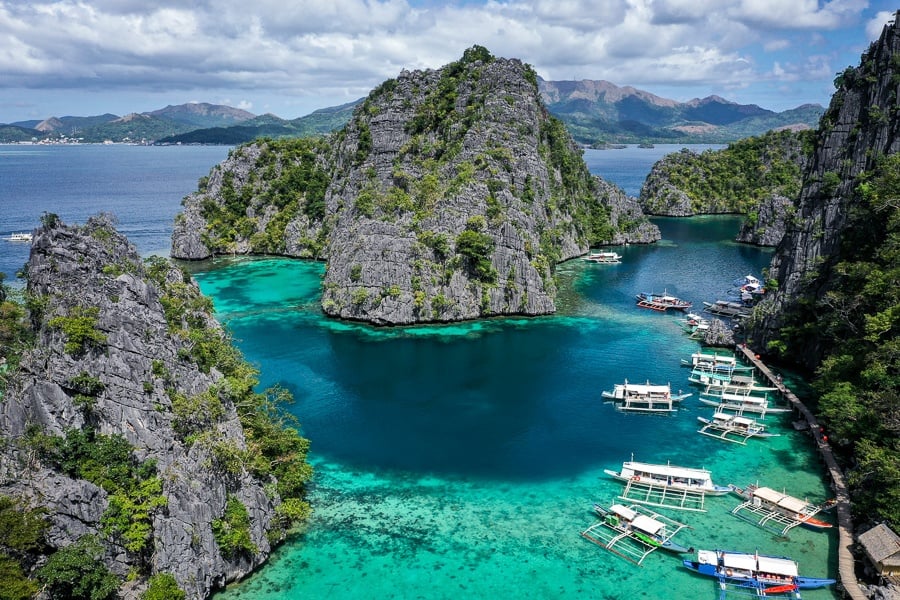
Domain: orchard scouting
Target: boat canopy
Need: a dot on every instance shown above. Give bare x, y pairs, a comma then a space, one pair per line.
778, 566
782, 500
644, 389
623, 511
747, 562
717, 358
667, 470
745, 399
646, 524
743, 421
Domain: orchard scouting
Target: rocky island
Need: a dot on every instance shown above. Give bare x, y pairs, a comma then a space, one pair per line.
757, 177
134, 447
451, 194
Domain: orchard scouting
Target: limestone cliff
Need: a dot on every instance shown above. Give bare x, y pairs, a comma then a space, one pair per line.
128, 362
835, 219
450, 195
750, 177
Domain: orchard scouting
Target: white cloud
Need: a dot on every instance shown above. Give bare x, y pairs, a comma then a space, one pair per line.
877, 23
797, 14
343, 48
775, 45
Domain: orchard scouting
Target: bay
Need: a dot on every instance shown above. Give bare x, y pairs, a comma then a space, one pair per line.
459, 461
141, 185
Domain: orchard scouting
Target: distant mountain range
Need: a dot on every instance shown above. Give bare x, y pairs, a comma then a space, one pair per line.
598, 112
595, 112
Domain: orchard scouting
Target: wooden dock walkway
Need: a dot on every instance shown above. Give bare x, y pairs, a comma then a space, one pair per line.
846, 568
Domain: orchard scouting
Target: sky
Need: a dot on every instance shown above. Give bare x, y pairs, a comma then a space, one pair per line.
291, 57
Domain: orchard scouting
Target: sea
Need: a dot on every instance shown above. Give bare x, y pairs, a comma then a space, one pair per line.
463, 460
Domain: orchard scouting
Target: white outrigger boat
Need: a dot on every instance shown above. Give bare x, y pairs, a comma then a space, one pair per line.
732, 428
20, 237
741, 403
776, 511
644, 397
667, 486
714, 363
604, 258
717, 382
632, 533
671, 476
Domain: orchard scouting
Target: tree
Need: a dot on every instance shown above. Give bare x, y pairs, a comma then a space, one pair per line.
76, 573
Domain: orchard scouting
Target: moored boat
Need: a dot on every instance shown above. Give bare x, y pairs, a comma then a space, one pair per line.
732, 428
609, 258
741, 403
669, 476
644, 528
661, 302
646, 397
766, 498
769, 575
19, 237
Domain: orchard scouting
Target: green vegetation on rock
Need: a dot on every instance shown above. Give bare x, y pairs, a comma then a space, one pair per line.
858, 321
77, 572
735, 179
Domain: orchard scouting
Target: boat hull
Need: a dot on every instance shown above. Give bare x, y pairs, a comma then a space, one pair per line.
754, 579
711, 490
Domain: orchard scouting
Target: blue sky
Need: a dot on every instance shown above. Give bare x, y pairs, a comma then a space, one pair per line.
290, 57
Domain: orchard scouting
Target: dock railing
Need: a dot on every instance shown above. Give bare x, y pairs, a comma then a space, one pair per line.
842, 497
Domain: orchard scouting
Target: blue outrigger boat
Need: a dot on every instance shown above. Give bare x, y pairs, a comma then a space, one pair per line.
766, 575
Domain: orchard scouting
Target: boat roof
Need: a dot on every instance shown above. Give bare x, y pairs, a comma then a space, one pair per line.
722, 358
777, 565
745, 399
743, 420
645, 388
746, 562
623, 511
782, 500
646, 524
668, 470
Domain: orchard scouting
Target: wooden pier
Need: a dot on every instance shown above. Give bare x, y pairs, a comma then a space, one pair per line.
846, 568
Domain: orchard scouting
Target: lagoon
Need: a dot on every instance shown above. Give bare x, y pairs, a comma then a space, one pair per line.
460, 460
463, 460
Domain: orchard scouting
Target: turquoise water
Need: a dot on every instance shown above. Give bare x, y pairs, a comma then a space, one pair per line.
463, 460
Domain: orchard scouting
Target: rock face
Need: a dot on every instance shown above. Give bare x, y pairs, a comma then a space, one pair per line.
450, 195
141, 368
860, 125
768, 223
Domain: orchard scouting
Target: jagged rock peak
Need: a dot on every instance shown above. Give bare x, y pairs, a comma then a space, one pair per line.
451, 194
859, 128
127, 355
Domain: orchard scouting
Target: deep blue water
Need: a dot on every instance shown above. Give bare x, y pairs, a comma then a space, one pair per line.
628, 167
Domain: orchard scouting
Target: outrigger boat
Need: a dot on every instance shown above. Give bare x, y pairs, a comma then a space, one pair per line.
606, 258
661, 302
766, 507
671, 476
667, 486
633, 534
724, 308
646, 397
732, 428
723, 383
714, 363
767, 575
20, 237
742, 403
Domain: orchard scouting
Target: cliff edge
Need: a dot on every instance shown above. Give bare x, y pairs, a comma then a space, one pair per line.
130, 421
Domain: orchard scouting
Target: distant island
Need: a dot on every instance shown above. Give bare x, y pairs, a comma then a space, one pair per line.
597, 114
